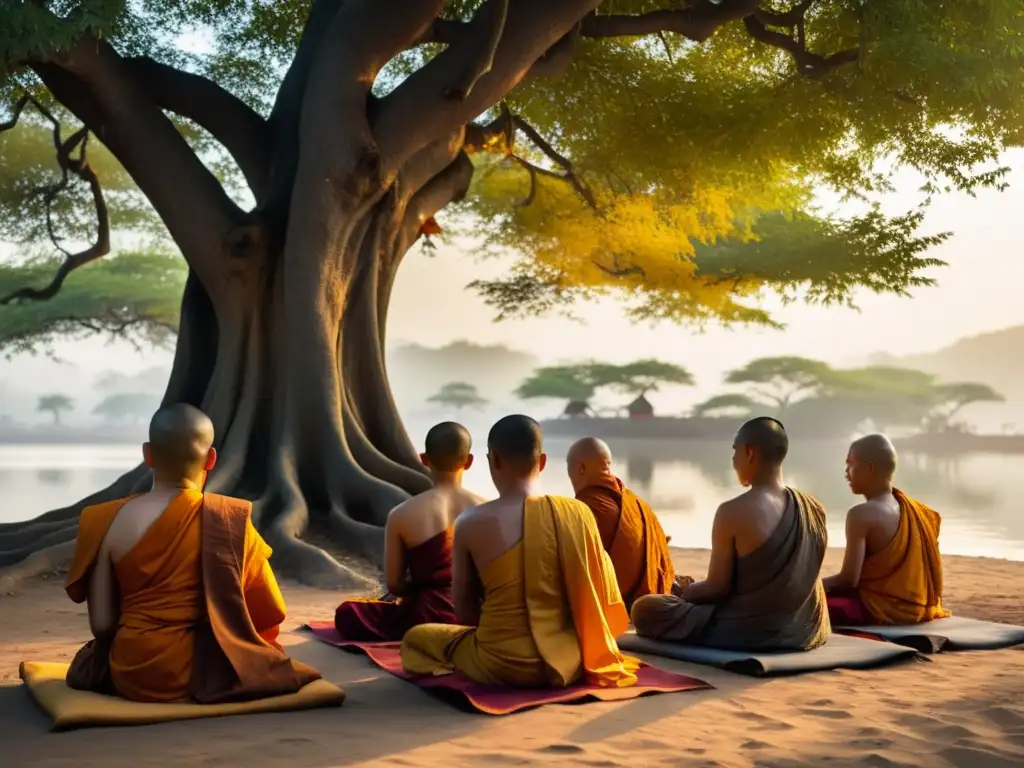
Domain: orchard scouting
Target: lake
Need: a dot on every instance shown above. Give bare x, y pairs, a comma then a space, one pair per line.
684, 483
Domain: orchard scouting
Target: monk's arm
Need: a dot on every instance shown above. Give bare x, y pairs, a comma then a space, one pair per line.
853, 559
104, 601
466, 592
395, 567
723, 556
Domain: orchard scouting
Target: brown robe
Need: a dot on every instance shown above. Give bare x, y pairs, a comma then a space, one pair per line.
633, 539
777, 601
231, 661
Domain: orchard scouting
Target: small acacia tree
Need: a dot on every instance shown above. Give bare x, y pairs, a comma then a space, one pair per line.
55, 405
951, 398
576, 384
666, 153
459, 395
779, 382
729, 404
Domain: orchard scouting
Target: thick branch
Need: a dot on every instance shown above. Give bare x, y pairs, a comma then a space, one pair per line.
791, 18
697, 22
449, 186
810, 64
481, 63
78, 166
92, 82
242, 132
417, 111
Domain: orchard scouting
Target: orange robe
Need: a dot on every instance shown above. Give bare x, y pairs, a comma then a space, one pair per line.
162, 596
550, 615
632, 537
902, 584
428, 601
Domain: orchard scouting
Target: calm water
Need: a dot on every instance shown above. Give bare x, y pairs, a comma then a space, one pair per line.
684, 482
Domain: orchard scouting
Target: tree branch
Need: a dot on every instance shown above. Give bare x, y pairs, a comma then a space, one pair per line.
481, 64
243, 133
449, 186
791, 18
810, 64
570, 173
92, 81
697, 22
416, 111
78, 166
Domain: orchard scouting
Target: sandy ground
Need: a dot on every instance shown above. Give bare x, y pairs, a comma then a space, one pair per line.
958, 710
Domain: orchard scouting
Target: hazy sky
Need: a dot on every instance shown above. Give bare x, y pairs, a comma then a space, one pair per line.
978, 291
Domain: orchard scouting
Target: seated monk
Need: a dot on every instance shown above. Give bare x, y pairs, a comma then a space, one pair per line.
892, 571
182, 602
630, 531
534, 590
762, 591
418, 548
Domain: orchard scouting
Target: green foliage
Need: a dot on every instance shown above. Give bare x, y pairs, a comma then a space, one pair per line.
643, 376
781, 381
729, 404
136, 296
951, 398
564, 382
55, 404
459, 395
130, 406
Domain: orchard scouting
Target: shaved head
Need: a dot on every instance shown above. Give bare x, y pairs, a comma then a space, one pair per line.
180, 439
589, 449
448, 446
876, 449
767, 437
517, 440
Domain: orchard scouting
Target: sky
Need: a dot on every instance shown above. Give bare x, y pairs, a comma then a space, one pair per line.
979, 291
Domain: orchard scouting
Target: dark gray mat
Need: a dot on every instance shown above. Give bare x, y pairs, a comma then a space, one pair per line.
840, 652
953, 634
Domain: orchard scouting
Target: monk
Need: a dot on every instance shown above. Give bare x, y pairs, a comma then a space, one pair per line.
630, 531
762, 591
892, 571
183, 604
418, 548
534, 590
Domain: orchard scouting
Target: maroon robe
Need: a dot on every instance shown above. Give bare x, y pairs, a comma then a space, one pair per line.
428, 600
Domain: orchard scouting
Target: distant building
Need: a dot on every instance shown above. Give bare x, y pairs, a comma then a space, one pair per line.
640, 408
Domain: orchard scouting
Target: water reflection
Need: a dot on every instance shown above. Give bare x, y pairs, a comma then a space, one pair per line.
684, 482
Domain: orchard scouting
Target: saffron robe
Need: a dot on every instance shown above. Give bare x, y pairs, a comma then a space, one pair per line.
632, 537
550, 615
902, 584
428, 600
777, 601
200, 608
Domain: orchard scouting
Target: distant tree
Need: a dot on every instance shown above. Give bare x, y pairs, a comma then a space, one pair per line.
573, 383
643, 376
951, 398
55, 404
781, 381
459, 395
131, 406
732, 403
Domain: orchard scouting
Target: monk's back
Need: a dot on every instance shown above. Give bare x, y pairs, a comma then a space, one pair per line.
491, 529
425, 516
881, 517
756, 515
159, 577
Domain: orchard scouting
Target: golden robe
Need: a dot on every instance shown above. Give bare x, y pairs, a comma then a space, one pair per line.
632, 537
551, 611
902, 584
162, 600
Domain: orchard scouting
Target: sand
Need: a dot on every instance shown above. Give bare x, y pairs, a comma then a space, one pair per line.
962, 709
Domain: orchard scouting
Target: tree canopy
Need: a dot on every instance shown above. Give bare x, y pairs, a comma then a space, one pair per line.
55, 404
576, 382
781, 381
459, 395
730, 403
643, 376
127, 406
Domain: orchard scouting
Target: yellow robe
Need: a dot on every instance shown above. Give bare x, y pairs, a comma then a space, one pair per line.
162, 598
551, 611
902, 584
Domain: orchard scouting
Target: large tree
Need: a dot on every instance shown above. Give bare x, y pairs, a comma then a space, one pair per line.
620, 143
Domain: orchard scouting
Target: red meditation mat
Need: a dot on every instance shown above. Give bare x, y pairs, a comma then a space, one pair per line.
500, 700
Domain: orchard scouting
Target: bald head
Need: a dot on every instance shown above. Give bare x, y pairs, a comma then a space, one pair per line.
516, 442
878, 450
767, 437
589, 461
448, 446
180, 441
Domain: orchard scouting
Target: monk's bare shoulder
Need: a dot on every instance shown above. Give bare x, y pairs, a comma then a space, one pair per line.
410, 508
737, 506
